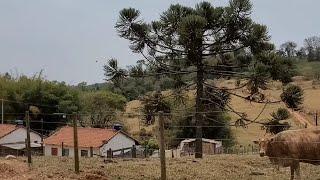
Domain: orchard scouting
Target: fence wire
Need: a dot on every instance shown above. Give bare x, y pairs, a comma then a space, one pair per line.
139, 151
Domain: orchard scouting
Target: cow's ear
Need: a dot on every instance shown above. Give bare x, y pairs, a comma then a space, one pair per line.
255, 142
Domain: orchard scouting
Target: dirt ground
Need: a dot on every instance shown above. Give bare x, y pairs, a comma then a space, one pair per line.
211, 167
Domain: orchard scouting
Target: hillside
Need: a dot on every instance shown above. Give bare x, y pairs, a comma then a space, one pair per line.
307, 69
244, 136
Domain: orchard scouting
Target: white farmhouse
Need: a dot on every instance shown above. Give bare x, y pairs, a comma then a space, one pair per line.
12, 139
91, 141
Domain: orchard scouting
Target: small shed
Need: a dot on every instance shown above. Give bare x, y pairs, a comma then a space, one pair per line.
209, 146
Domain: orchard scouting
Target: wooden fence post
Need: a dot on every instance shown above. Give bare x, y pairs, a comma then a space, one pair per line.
28, 144
62, 151
109, 153
316, 118
252, 149
162, 146
2, 112
91, 151
145, 151
122, 153
134, 151
75, 143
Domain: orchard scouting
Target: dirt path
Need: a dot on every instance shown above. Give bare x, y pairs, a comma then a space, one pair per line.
301, 118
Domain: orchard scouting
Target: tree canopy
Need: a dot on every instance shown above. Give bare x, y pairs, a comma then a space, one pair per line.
52, 103
39, 96
198, 42
293, 96
101, 108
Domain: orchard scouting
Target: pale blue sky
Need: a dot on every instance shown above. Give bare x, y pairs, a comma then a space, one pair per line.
65, 38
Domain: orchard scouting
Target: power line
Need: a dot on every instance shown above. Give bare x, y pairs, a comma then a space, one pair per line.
29, 103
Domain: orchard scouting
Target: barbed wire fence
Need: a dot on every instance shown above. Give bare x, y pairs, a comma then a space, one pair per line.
74, 120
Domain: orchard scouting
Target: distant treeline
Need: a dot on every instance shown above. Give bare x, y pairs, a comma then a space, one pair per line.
310, 50
51, 103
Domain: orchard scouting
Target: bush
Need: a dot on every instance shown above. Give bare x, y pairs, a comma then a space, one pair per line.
144, 135
150, 145
292, 96
283, 69
281, 114
274, 125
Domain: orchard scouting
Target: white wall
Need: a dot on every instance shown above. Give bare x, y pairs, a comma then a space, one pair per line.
19, 135
47, 150
119, 141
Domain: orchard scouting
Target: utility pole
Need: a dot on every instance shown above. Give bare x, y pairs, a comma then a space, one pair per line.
316, 118
75, 143
198, 142
62, 149
42, 147
162, 146
2, 112
28, 144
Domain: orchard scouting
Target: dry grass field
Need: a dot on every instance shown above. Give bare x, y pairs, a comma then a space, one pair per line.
211, 167
249, 167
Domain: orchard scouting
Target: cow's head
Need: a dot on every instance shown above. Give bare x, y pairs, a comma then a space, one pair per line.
263, 145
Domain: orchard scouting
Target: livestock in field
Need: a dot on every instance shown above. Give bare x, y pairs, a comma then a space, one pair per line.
289, 148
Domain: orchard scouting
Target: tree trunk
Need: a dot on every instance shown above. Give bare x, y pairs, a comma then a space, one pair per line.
199, 110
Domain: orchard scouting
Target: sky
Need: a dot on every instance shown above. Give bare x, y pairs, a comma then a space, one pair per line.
70, 40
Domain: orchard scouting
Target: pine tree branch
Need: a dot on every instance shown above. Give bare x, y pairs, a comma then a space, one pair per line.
243, 97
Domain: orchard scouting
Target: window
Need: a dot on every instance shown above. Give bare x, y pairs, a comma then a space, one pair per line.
65, 152
54, 151
84, 153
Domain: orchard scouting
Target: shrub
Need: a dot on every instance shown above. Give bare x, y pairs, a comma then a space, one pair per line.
292, 96
274, 125
281, 114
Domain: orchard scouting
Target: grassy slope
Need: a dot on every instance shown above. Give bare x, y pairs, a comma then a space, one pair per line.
245, 136
308, 69
311, 103
134, 123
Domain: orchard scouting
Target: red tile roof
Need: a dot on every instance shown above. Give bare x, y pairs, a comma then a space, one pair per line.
6, 129
87, 137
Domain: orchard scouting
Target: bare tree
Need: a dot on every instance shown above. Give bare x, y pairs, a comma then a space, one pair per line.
312, 46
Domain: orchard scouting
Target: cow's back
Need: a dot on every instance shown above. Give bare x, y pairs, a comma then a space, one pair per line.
302, 145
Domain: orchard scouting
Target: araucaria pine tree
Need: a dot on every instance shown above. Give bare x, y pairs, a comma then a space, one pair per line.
197, 42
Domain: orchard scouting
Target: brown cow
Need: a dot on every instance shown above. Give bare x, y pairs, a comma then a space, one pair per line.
288, 148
